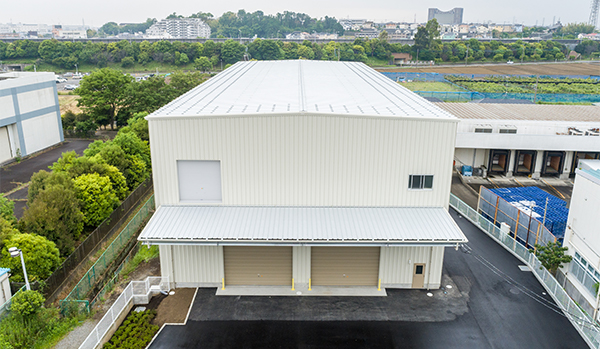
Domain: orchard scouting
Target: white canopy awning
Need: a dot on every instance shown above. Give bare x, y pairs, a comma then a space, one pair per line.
308, 226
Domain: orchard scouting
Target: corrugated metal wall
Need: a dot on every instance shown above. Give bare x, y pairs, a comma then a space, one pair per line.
301, 264
396, 265
192, 266
309, 160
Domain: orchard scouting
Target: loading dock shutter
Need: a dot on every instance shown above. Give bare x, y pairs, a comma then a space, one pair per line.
260, 265
5, 153
345, 266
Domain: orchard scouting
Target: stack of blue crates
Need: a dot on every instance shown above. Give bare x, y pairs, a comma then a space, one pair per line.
556, 214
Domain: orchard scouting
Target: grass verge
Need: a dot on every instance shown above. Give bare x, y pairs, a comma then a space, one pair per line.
431, 86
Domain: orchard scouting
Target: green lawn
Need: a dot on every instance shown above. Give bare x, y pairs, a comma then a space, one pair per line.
431, 86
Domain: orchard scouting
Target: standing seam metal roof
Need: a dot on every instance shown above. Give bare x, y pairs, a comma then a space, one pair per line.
323, 87
526, 112
378, 225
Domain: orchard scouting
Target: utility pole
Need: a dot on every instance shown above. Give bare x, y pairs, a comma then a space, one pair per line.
531, 205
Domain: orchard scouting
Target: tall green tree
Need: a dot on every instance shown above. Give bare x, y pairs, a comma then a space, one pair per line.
203, 64
96, 196
232, 51
55, 213
103, 94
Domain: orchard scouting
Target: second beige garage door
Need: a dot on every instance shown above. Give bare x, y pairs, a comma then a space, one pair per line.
345, 266
249, 265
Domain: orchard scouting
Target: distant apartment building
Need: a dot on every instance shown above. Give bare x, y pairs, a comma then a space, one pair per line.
180, 28
454, 16
24, 30
369, 33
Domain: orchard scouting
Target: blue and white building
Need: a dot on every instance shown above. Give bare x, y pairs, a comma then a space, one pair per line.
29, 114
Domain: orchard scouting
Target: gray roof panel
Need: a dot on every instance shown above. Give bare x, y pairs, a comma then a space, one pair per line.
296, 86
293, 225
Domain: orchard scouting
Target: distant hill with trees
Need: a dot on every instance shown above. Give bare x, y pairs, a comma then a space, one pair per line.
246, 24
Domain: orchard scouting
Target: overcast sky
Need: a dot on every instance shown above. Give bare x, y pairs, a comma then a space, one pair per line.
96, 13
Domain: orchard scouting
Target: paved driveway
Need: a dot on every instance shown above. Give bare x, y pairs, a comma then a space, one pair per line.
15, 174
492, 304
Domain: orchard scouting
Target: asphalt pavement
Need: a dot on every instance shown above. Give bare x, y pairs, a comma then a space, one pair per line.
504, 308
14, 175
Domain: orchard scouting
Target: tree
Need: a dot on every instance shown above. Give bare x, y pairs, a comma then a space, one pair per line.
132, 167
44, 179
552, 256
110, 28
27, 303
232, 51
139, 125
181, 83
40, 254
203, 64
6, 231
103, 94
55, 214
96, 196
7, 209
87, 165
383, 36
127, 62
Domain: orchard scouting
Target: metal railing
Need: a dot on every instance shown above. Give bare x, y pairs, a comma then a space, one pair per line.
138, 292
5, 308
98, 270
55, 282
586, 326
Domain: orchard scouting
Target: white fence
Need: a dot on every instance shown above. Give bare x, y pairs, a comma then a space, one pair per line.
138, 292
586, 326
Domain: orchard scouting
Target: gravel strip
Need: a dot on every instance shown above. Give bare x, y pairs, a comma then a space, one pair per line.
76, 337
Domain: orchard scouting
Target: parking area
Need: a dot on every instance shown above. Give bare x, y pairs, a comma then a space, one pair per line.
14, 175
490, 303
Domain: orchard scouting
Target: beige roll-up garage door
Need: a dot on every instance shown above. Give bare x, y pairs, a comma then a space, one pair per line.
345, 266
250, 265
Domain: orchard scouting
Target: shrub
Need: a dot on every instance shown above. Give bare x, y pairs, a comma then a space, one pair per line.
7, 209
127, 62
135, 332
27, 303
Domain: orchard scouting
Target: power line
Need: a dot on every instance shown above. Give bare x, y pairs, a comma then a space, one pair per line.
533, 295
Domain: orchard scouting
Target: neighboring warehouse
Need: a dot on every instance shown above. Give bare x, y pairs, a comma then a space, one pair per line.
29, 114
525, 139
302, 174
583, 239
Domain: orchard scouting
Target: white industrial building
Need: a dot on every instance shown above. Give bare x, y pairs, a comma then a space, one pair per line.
582, 237
182, 28
5, 293
302, 175
29, 114
525, 139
